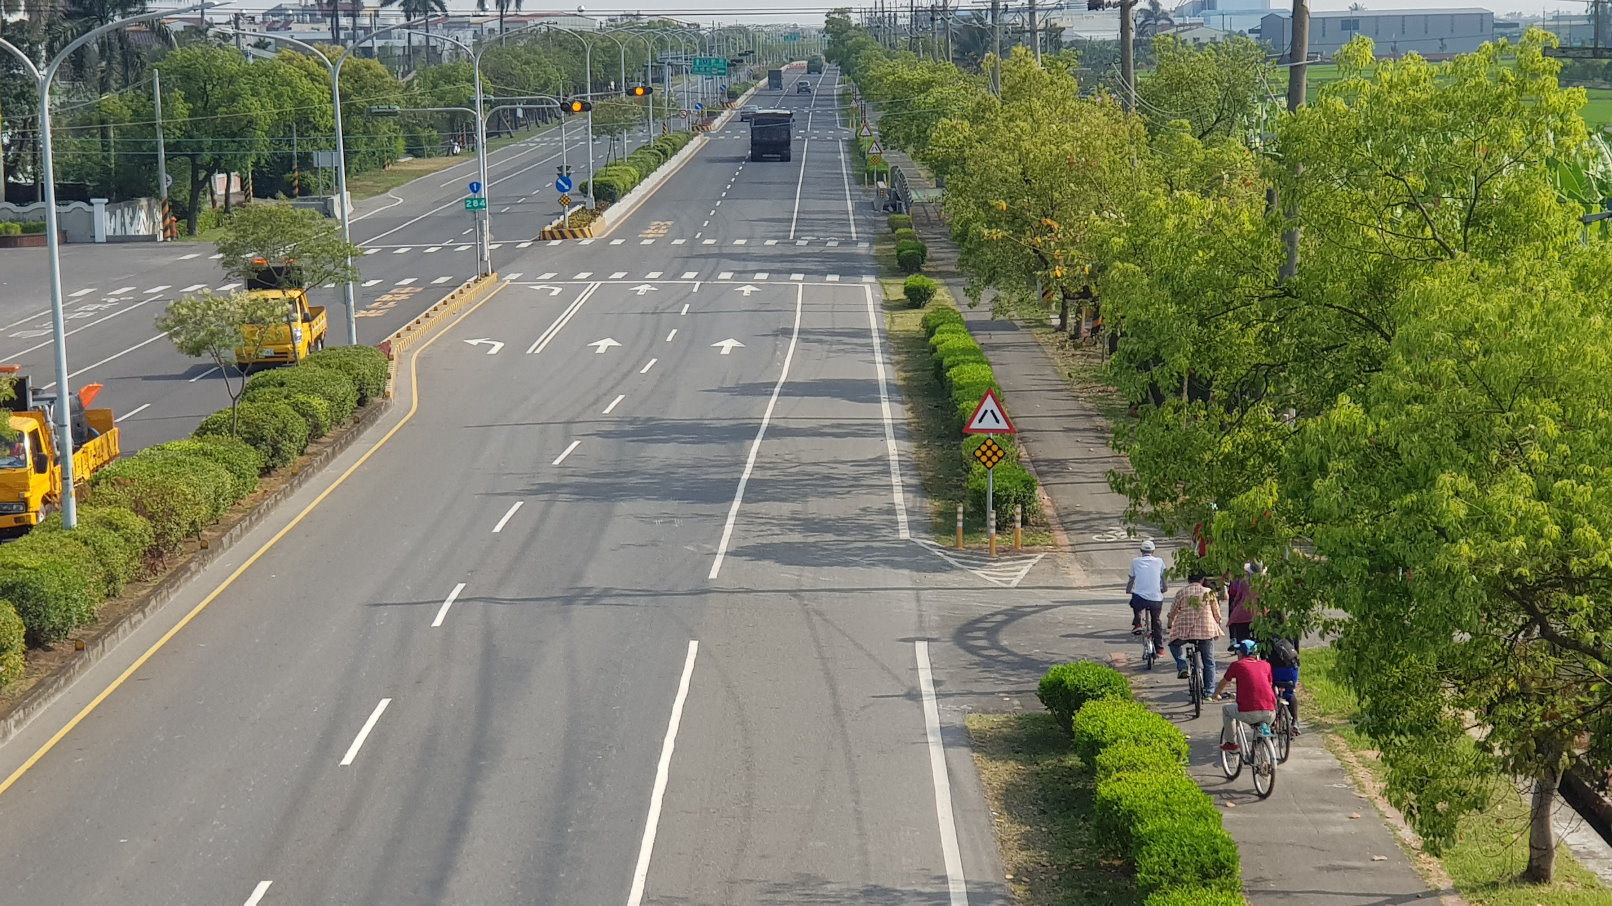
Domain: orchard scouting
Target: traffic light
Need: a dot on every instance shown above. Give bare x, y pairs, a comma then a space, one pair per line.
639, 91
578, 105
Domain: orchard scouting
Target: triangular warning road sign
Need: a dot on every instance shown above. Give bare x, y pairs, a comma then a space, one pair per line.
876, 149
866, 132
990, 418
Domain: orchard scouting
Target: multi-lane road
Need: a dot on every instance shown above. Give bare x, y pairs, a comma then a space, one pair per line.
622, 603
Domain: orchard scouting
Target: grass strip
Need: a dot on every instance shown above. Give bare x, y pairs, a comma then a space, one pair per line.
1492, 848
1041, 796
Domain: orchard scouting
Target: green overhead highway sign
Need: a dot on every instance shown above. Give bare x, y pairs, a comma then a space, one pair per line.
475, 204
710, 66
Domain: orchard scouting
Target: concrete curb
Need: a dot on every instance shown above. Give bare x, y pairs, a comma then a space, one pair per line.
405, 336
103, 640
629, 203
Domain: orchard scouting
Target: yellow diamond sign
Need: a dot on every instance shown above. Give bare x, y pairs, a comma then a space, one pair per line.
989, 453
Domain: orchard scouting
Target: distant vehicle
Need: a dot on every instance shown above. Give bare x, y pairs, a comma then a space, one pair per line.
771, 134
775, 79
814, 65
30, 463
747, 111
803, 87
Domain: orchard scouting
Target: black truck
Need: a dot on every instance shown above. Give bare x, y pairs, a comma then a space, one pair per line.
771, 133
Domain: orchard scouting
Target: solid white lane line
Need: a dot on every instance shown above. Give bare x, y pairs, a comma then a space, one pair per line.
202, 375
755, 445
135, 410
108, 317
115, 355
507, 516
352, 750
950, 851
561, 458
442, 612
800, 181
650, 364
663, 770
614, 403
565, 317
258, 892
897, 494
672, 334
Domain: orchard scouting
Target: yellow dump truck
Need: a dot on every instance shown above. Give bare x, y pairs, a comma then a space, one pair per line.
30, 457
302, 332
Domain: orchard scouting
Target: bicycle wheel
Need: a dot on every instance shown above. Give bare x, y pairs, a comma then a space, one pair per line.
1231, 763
1264, 766
1283, 731
1195, 678
1148, 652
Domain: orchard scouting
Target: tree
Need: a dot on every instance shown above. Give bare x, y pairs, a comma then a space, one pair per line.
418, 9
1217, 88
615, 117
233, 135
1152, 18
279, 232
213, 326
503, 7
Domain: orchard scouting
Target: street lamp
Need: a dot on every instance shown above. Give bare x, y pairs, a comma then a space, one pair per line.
349, 291
42, 80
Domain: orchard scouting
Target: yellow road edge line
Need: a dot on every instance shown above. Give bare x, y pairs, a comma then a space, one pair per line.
104, 694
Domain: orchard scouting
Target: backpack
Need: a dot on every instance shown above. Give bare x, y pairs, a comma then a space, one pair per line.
1283, 654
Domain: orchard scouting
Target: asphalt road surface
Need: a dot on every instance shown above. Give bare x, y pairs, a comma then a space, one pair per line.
628, 609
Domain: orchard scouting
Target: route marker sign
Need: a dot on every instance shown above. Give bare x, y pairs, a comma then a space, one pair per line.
989, 417
565, 201
989, 453
475, 187
563, 184
475, 204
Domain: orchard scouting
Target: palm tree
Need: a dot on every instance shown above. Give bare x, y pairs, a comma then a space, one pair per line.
503, 7
80, 16
418, 9
1152, 19
334, 6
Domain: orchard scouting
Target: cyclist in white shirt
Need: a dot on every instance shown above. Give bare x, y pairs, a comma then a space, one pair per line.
1146, 586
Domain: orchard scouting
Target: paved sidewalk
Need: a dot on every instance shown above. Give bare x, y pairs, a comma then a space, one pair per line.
1315, 841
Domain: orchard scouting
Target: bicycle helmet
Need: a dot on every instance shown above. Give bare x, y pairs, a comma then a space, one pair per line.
1246, 647
1147, 547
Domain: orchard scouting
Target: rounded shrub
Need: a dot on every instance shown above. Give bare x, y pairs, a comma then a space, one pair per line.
906, 235
53, 593
950, 333
365, 365
1108, 722
274, 429
971, 374
1066, 687
1127, 808
900, 222
214, 482
1131, 758
1195, 896
1188, 856
935, 318
910, 258
243, 461
918, 290
13, 645
330, 385
115, 537
1012, 485
314, 410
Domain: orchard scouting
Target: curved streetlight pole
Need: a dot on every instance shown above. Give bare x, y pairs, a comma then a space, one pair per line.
64, 402
587, 74
649, 79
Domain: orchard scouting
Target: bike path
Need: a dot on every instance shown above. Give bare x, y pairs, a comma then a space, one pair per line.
1316, 841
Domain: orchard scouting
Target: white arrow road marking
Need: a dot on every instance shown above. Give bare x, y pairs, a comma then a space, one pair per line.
599, 346
728, 344
553, 290
492, 349
747, 289
642, 288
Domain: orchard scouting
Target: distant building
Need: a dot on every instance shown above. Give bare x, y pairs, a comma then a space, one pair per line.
1195, 33
1429, 32
1082, 25
1232, 16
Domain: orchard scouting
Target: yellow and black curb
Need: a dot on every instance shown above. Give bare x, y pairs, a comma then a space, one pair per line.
567, 232
467, 293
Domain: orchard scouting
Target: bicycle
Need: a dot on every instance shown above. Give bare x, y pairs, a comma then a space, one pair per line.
1150, 652
1282, 729
1194, 678
1261, 755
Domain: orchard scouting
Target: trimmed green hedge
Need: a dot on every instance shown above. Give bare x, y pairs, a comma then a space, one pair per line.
1134, 758
1108, 722
918, 290
177, 494
900, 222
333, 386
13, 645
274, 429
314, 410
366, 366
114, 536
1066, 687
1180, 896
53, 592
907, 234
911, 255
239, 458
1189, 856
936, 318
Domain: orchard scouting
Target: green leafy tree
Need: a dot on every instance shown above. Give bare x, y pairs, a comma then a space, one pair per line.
279, 232
233, 131
212, 327
1217, 88
613, 118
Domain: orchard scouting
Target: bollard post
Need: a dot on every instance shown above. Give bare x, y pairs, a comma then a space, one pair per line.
990, 529
959, 526
1018, 526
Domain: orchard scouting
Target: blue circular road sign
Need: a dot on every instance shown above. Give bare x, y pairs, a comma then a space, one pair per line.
699, 106
563, 184
475, 188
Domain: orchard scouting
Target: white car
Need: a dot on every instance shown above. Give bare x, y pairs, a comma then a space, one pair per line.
748, 111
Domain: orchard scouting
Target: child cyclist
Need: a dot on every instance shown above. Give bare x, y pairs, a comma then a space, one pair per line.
1256, 697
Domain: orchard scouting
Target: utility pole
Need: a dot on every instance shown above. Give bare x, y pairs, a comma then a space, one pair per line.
1127, 50
996, 47
1035, 34
162, 153
1298, 57
239, 48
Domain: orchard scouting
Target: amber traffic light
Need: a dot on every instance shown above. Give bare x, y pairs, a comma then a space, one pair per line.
577, 105
639, 91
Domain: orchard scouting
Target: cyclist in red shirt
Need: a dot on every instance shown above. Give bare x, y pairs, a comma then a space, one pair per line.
1256, 696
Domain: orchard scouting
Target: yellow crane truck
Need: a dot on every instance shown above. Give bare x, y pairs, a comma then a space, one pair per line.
303, 331
30, 456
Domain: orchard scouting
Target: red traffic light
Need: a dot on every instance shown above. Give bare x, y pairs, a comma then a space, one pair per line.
639, 91
577, 105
